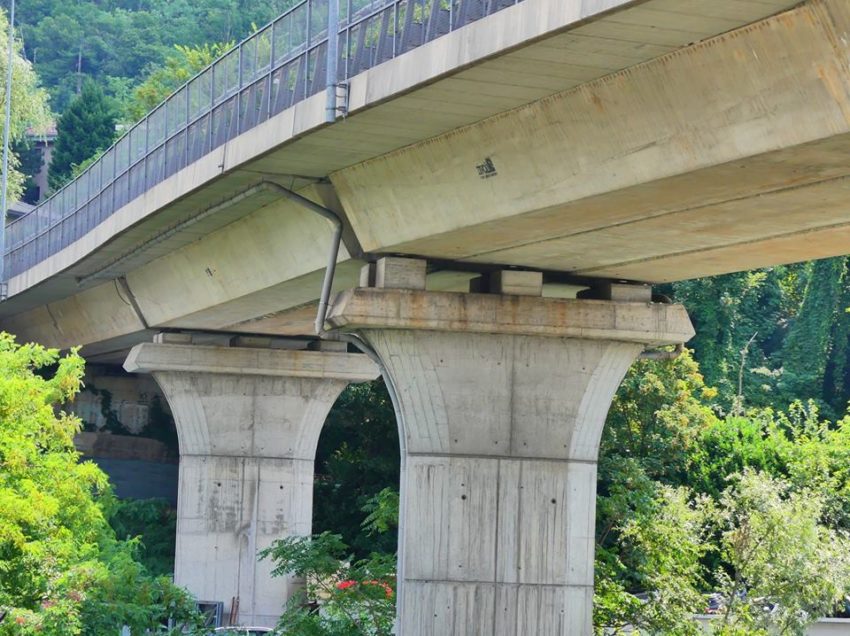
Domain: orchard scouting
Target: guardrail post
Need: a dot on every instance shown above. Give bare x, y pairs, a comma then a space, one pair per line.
239, 92
270, 82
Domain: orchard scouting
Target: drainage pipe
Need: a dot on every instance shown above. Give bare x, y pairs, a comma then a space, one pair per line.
333, 217
350, 338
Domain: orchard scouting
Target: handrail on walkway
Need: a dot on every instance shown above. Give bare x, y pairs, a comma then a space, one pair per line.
276, 67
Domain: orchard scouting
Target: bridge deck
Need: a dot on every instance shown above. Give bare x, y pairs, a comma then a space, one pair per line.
576, 105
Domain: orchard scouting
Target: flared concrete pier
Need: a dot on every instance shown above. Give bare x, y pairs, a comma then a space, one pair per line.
248, 422
502, 400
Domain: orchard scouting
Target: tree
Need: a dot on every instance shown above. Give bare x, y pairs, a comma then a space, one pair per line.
178, 68
87, 127
30, 160
343, 596
664, 542
358, 456
805, 352
154, 522
29, 106
781, 568
62, 570
775, 335
728, 311
785, 569
116, 43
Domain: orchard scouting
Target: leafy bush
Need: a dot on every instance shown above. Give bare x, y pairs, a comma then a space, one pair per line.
63, 572
341, 596
154, 522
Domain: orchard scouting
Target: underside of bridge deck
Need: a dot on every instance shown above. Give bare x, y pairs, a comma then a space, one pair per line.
624, 141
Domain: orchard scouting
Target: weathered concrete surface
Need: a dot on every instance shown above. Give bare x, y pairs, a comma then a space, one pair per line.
95, 315
248, 422
459, 100
132, 400
709, 159
502, 401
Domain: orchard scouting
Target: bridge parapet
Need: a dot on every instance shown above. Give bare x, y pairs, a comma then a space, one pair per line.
280, 65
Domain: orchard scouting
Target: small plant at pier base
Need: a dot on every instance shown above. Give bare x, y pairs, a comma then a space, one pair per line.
341, 596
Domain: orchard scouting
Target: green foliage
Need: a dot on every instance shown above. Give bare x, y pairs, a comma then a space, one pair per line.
117, 42
30, 163
357, 458
837, 376
666, 543
153, 523
785, 569
664, 472
727, 311
62, 570
732, 444
781, 567
656, 414
796, 446
178, 68
796, 316
805, 350
652, 428
342, 596
382, 512
86, 127
79, 168
29, 111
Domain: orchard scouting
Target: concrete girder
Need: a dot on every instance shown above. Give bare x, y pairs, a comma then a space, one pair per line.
248, 422
739, 140
623, 181
100, 315
501, 402
271, 259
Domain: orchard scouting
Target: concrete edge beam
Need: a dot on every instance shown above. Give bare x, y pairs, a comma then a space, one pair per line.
653, 324
332, 365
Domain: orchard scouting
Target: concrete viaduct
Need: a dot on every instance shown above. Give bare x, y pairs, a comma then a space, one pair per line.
478, 194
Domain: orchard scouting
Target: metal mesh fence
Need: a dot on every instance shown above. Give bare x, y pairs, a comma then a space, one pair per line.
273, 69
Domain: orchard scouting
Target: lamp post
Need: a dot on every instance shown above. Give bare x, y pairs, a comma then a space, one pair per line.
8, 120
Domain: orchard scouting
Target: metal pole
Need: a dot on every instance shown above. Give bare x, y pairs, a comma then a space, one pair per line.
8, 122
331, 79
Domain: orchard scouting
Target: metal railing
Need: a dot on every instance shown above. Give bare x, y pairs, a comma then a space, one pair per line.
278, 66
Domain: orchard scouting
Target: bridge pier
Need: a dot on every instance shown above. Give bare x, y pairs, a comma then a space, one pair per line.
502, 400
248, 422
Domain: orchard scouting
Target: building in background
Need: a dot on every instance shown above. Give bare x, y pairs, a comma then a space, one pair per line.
43, 142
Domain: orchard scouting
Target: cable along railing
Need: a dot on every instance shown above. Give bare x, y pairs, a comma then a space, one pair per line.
278, 66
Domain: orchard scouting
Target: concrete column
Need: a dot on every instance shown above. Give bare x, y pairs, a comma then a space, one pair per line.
502, 401
248, 422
